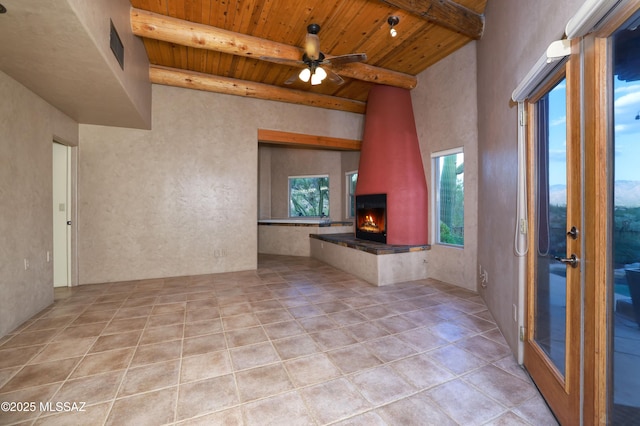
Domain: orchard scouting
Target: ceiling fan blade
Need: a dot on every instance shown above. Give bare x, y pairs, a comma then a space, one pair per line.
283, 61
346, 59
334, 78
291, 79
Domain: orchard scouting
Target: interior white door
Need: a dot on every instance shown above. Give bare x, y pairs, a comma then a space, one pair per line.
60, 215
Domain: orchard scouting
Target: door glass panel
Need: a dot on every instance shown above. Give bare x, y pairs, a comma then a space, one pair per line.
625, 318
551, 226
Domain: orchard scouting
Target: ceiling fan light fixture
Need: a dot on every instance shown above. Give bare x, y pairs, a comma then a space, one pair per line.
315, 80
393, 21
321, 73
305, 75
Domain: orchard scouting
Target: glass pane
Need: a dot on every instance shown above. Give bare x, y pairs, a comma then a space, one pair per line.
450, 175
309, 196
626, 228
353, 180
551, 281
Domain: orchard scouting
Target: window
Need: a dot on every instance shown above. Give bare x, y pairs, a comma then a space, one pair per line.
352, 179
448, 173
309, 196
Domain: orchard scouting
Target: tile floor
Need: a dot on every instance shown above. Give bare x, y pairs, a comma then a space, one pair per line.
296, 342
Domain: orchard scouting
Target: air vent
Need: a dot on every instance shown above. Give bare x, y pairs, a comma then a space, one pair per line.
116, 45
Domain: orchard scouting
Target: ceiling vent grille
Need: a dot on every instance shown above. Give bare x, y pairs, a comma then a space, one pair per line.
116, 45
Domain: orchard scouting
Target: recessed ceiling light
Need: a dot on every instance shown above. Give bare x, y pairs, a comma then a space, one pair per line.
3, 9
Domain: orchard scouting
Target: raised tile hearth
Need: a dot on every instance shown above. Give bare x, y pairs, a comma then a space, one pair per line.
376, 263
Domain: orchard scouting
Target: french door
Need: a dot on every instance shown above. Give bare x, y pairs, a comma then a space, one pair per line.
582, 336
553, 338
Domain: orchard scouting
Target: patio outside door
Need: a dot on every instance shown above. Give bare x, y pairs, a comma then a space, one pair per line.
552, 336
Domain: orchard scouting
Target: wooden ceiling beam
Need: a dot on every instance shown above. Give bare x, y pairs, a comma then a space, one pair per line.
277, 137
164, 28
445, 13
213, 83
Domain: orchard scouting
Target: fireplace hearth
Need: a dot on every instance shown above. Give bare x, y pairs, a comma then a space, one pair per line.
371, 217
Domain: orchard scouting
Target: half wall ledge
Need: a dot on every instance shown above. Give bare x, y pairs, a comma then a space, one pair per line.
377, 263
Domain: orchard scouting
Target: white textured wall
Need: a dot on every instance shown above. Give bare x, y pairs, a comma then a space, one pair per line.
181, 199
516, 35
28, 126
445, 107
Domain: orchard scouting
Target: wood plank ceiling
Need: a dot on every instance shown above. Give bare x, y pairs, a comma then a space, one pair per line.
222, 45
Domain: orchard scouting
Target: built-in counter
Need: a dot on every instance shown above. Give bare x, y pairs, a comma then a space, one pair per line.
290, 236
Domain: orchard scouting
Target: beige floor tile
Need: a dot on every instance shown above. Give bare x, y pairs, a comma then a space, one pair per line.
421, 371
484, 348
369, 418
422, 339
381, 385
206, 396
508, 419
240, 321
283, 329
415, 410
456, 360
124, 325
334, 400
202, 314
152, 408
366, 331
536, 412
150, 377
91, 389
296, 346
229, 417
79, 332
162, 334
205, 366
253, 356
333, 339
286, 409
90, 416
477, 407
41, 374
245, 336
203, 327
451, 332
103, 362
501, 385
390, 348
262, 382
65, 349
116, 341
353, 358
34, 394
157, 352
29, 339
311, 370
15, 357
203, 344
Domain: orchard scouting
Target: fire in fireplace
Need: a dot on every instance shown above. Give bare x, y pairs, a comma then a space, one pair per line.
371, 217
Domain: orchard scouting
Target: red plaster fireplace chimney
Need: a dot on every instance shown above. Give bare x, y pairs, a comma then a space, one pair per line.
391, 164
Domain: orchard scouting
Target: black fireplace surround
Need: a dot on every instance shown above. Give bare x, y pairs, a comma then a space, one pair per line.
371, 217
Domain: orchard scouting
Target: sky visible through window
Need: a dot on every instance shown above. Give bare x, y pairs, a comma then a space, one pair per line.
627, 132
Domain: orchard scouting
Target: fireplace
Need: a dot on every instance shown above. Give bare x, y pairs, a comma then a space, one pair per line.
371, 217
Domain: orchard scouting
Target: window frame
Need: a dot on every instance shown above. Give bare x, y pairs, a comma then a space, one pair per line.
350, 198
435, 199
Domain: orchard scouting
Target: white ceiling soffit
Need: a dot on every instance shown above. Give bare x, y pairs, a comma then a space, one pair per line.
46, 48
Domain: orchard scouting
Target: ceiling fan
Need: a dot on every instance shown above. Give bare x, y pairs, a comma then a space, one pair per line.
316, 66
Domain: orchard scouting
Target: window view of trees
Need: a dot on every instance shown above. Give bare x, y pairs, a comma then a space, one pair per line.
450, 208
309, 196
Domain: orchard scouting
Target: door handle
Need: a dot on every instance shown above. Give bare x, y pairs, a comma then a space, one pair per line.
573, 260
